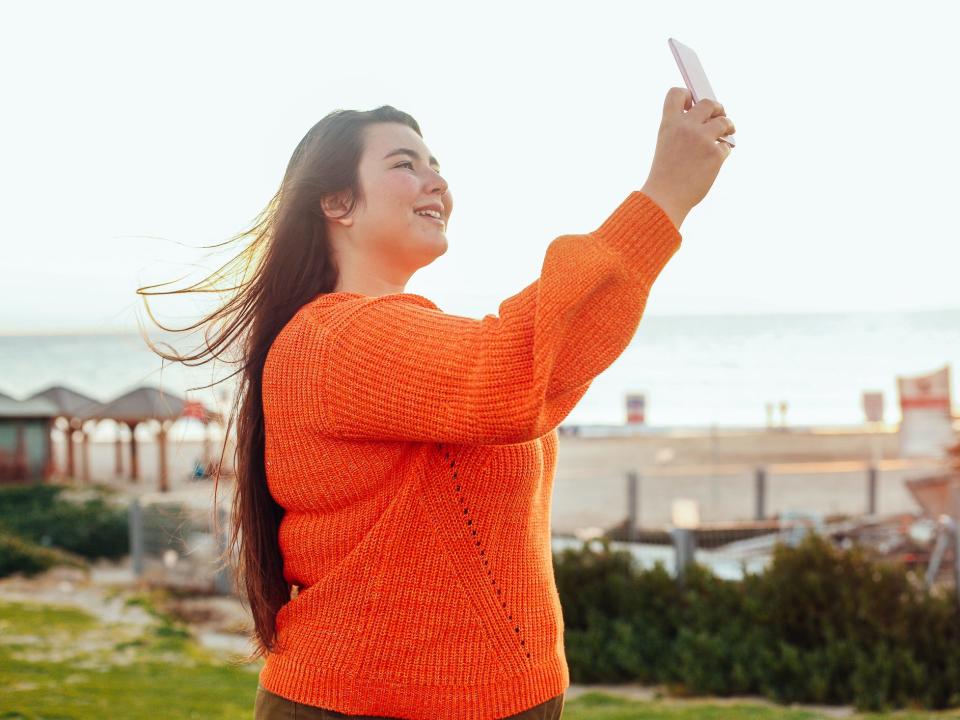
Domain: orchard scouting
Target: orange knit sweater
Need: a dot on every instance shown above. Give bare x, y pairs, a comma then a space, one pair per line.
414, 454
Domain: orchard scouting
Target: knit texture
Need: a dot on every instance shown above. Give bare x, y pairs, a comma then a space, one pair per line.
414, 453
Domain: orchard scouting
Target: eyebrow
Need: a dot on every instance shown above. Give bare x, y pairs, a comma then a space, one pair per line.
411, 153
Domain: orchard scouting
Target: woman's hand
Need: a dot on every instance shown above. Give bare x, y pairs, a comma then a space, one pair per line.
688, 155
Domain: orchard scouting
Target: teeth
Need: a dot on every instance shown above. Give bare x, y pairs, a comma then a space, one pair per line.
431, 213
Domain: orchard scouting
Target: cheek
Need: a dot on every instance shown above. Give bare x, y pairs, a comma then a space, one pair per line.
404, 189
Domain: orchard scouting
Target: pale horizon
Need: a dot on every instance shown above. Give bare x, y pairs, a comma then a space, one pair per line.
154, 333
137, 137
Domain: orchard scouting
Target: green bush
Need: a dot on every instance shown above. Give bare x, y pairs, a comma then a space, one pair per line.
19, 555
820, 625
44, 515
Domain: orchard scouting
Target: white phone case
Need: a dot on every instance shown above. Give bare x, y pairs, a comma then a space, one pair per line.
694, 77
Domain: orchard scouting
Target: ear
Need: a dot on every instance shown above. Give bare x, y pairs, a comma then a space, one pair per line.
335, 206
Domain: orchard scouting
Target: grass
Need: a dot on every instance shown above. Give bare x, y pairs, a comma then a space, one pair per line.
61, 663
601, 706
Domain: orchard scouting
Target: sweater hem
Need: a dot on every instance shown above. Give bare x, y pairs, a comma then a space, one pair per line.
299, 681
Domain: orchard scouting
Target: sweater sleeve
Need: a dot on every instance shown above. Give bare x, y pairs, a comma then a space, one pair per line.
386, 368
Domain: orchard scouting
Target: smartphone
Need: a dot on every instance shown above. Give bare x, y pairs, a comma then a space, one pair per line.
694, 77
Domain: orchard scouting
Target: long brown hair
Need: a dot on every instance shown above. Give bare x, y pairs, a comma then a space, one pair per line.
287, 263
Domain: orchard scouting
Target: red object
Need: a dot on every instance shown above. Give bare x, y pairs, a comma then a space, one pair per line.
929, 392
194, 409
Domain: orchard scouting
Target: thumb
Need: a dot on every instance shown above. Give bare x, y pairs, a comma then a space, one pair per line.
678, 99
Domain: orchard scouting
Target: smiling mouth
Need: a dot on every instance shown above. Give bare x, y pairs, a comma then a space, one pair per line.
431, 219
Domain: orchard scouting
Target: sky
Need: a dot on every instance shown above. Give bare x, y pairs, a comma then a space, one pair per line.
133, 134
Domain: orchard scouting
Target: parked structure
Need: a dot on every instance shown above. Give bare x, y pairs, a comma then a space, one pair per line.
26, 426
25, 449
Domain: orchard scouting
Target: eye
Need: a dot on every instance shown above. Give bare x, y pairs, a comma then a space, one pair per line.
405, 162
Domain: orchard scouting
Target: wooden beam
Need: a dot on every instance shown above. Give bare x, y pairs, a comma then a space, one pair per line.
162, 446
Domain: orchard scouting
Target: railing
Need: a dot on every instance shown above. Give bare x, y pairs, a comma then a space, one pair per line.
176, 544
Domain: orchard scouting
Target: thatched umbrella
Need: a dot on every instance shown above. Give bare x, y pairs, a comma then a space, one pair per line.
138, 405
149, 403
74, 407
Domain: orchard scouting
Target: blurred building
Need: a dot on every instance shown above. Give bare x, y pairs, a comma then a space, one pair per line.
25, 449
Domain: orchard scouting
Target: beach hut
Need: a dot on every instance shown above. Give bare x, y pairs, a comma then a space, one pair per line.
72, 408
25, 452
149, 403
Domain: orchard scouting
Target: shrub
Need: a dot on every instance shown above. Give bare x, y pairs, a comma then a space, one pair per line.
91, 527
19, 555
820, 625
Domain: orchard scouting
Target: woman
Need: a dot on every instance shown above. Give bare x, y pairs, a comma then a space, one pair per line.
395, 462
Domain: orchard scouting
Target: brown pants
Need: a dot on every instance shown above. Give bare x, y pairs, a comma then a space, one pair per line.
269, 706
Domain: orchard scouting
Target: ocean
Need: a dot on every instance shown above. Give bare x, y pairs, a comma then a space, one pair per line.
695, 371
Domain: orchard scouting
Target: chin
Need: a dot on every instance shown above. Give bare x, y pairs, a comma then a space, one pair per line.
436, 248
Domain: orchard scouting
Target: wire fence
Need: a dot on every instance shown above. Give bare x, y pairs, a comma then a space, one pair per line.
648, 496
176, 544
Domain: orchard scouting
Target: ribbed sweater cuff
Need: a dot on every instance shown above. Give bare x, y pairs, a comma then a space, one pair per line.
641, 234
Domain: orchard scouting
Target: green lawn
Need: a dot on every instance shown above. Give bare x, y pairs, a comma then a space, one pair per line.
598, 706
59, 662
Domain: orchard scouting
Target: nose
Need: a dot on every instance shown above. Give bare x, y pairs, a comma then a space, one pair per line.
438, 184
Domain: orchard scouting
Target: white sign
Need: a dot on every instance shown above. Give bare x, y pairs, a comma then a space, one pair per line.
926, 427
873, 406
636, 409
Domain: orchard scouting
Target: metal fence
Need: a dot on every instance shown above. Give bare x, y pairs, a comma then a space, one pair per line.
176, 544
647, 495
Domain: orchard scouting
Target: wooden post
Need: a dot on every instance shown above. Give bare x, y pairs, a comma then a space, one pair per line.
134, 466
118, 457
50, 464
872, 490
86, 456
162, 448
632, 506
761, 492
71, 464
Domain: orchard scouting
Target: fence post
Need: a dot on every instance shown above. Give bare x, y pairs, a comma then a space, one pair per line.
136, 536
872, 490
955, 502
633, 510
761, 492
956, 561
684, 545
222, 579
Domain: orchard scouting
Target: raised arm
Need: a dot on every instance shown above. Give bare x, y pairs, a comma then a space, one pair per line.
397, 368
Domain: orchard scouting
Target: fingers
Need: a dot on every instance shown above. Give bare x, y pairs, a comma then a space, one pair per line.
706, 109
720, 126
678, 99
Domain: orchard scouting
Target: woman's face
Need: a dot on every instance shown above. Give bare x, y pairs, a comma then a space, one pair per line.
386, 230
